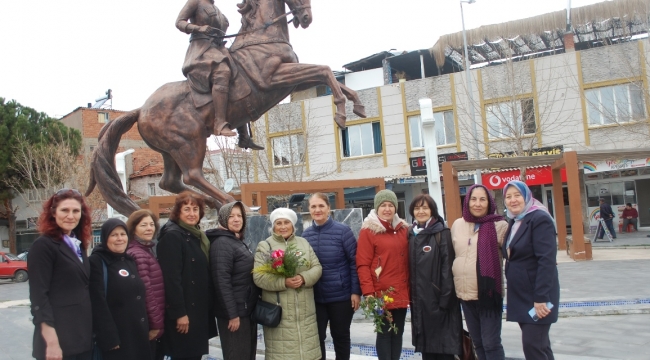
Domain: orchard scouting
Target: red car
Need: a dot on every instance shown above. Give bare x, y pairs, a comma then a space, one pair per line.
11, 267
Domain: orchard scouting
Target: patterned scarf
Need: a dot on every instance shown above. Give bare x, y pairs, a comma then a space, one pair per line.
490, 287
532, 204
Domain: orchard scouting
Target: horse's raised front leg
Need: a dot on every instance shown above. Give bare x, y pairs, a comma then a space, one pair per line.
352, 95
288, 75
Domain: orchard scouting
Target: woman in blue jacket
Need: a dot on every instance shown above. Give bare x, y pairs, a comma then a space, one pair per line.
530, 250
337, 293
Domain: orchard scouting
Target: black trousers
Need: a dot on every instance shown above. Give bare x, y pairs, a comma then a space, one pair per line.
536, 341
339, 315
429, 356
240, 344
389, 344
83, 356
485, 330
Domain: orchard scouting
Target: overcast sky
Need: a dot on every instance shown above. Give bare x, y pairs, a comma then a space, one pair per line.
59, 55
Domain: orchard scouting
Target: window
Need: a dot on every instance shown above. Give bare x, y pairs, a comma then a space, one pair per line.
511, 119
152, 189
102, 117
615, 104
359, 140
323, 90
288, 150
445, 129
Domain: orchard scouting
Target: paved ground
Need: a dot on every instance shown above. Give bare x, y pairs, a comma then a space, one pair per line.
605, 306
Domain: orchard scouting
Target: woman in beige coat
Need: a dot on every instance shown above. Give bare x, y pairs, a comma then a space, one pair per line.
297, 335
478, 271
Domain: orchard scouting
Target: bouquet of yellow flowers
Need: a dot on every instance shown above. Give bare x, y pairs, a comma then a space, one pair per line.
375, 307
283, 263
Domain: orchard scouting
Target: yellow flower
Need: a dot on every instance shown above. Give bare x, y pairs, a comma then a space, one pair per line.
385, 297
390, 300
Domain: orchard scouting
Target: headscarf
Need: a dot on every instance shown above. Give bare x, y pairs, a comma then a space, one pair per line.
488, 264
107, 228
532, 204
224, 215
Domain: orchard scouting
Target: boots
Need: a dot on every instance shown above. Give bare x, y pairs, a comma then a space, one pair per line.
220, 99
245, 140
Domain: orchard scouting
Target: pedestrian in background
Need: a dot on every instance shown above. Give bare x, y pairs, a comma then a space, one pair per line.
531, 270
629, 216
382, 262
436, 322
296, 337
231, 263
59, 274
478, 273
337, 293
607, 214
183, 252
142, 228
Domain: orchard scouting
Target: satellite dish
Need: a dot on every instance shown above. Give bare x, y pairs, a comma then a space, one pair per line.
228, 185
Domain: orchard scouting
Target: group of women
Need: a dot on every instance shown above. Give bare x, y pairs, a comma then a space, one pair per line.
128, 301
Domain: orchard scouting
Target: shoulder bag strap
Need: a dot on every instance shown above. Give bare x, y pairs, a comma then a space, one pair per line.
438, 238
105, 278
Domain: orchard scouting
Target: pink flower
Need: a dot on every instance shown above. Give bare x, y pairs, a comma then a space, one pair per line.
277, 254
277, 264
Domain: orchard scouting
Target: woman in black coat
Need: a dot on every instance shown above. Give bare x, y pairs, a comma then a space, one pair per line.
118, 297
183, 251
232, 261
530, 251
436, 322
58, 279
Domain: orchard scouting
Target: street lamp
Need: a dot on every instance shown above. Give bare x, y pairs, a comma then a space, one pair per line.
431, 152
470, 93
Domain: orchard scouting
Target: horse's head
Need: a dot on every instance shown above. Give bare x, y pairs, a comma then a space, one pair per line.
301, 10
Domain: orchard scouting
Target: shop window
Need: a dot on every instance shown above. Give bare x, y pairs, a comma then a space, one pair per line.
630, 192
288, 150
615, 104
618, 193
511, 119
152, 189
611, 174
593, 195
360, 140
444, 127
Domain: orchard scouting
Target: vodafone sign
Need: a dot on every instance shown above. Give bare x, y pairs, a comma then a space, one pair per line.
537, 176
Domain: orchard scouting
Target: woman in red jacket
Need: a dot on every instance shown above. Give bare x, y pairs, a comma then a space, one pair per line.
382, 262
143, 227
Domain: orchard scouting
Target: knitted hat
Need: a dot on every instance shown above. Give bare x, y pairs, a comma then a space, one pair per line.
383, 196
284, 213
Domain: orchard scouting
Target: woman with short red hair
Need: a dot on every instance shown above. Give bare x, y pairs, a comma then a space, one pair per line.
58, 279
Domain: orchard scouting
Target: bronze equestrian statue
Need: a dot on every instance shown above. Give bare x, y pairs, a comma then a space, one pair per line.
255, 74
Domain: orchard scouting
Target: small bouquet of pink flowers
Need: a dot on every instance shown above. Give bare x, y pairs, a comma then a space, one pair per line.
282, 263
375, 307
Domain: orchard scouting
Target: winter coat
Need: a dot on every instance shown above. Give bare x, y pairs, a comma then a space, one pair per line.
231, 263
58, 292
297, 335
119, 313
386, 245
465, 241
436, 323
188, 291
336, 248
531, 268
151, 275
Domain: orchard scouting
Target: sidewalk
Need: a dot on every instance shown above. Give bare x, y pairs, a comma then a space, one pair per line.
636, 239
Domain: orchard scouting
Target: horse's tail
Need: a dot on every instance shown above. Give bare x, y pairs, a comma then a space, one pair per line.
102, 168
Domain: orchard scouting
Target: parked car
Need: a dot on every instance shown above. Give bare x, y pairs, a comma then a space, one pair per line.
11, 267
23, 255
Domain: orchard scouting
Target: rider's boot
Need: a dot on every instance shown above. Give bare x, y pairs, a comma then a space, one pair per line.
245, 140
220, 100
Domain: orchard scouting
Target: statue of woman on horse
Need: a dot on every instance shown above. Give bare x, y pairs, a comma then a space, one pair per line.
208, 64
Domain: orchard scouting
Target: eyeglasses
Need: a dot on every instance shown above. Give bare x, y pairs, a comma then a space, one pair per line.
65, 190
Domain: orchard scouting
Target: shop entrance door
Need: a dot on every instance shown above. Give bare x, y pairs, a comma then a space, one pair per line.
643, 202
548, 201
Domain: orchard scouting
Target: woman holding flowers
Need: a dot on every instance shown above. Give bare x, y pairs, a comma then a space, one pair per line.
296, 337
382, 264
436, 323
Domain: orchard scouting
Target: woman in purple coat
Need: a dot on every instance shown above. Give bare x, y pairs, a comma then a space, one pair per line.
143, 228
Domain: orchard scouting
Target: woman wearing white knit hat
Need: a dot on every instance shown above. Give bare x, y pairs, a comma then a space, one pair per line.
297, 335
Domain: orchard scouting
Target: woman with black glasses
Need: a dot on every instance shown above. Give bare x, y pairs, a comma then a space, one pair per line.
59, 274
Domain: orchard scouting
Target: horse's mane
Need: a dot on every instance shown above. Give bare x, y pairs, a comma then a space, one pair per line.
247, 9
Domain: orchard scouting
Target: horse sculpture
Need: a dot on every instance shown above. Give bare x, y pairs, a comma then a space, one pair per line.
171, 123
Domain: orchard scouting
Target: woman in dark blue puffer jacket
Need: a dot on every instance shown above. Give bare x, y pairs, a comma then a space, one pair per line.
337, 293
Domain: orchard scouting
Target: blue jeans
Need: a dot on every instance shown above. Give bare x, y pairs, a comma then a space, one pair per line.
485, 330
610, 226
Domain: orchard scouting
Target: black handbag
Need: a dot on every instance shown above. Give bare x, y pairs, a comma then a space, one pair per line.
268, 314
469, 353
